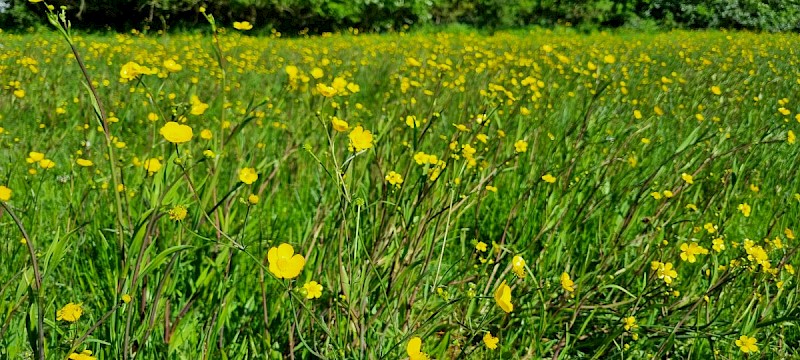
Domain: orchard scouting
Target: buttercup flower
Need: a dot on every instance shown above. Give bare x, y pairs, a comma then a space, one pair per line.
567, 283
152, 166
83, 355
248, 175
490, 341
5, 193
313, 290
284, 263
502, 296
414, 349
176, 133
394, 178
242, 25
518, 266
747, 344
360, 139
70, 312
339, 124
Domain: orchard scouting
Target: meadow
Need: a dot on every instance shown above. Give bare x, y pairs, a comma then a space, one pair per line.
527, 194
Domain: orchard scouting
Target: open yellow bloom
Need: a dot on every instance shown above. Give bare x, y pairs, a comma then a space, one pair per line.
521, 146
490, 341
84, 162
503, 297
152, 166
313, 290
394, 178
549, 178
248, 175
176, 133
5, 193
339, 124
688, 178
70, 312
360, 139
518, 266
414, 349
325, 90
198, 107
83, 355
567, 283
242, 25
284, 263
747, 344
172, 66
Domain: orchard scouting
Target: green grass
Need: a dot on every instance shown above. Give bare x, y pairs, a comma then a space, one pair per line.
397, 262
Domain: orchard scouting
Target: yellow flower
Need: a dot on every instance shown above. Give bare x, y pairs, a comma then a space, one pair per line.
178, 213
412, 121
176, 133
242, 25
132, 70
152, 166
198, 107
85, 354
629, 323
313, 290
521, 146
716, 90
172, 66
688, 178
414, 349
790, 137
690, 251
518, 266
284, 263
656, 195
567, 283
70, 312
503, 297
126, 298
5, 193
718, 244
480, 246
326, 90
609, 59
339, 124
84, 162
549, 178
317, 73
34, 157
360, 139
253, 199
19, 93
745, 209
47, 164
394, 178
490, 341
248, 175
206, 134
747, 344
665, 272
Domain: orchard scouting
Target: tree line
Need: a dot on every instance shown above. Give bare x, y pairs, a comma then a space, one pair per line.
316, 16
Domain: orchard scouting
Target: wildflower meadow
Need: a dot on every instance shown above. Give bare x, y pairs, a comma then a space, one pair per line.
458, 194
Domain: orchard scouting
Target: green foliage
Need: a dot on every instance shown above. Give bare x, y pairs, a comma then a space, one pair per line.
315, 16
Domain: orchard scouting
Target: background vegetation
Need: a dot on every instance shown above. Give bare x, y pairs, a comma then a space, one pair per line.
524, 194
315, 16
